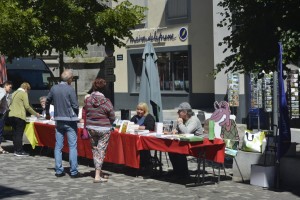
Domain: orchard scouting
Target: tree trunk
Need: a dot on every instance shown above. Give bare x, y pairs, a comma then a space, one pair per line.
61, 62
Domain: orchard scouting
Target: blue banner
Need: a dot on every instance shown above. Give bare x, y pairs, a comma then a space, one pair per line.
284, 123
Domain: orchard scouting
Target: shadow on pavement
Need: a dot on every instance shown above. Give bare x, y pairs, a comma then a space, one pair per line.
11, 192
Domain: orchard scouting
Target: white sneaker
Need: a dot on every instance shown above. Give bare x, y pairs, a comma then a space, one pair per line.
22, 153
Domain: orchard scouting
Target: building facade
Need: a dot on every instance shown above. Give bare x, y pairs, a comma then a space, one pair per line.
185, 36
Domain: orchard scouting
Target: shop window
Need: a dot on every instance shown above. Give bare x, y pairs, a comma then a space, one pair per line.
178, 11
172, 68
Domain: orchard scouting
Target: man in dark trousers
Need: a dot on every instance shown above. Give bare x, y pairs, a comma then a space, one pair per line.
5, 99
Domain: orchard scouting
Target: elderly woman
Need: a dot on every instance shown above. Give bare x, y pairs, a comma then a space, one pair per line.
17, 116
43, 100
187, 122
99, 114
145, 121
143, 118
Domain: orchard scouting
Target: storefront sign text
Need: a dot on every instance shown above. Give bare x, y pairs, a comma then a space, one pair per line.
155, 37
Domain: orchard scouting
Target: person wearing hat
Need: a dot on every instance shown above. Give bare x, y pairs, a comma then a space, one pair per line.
187, 122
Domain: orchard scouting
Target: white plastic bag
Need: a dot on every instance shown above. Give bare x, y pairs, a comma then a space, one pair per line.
252, 142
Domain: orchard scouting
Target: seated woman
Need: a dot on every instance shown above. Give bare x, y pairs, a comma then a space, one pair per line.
187, 122
146, 122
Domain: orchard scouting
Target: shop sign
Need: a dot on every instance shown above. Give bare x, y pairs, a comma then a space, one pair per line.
183, 33
153, 37
120, 57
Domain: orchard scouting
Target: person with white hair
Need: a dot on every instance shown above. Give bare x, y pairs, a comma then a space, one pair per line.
66, 108
43, 100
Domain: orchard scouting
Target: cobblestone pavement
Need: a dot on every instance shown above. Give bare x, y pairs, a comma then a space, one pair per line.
33, 178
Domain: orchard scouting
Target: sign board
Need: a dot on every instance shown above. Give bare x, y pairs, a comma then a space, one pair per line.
110, 78
183, 33
120, 57
108, 71
109, 62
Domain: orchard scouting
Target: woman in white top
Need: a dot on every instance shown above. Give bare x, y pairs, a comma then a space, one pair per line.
43, 104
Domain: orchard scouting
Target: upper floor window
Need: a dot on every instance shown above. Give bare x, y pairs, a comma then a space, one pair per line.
143, 3
178, 11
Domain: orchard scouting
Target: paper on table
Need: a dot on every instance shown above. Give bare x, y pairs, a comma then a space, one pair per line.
141, 132
159, 127
170, 137
186, 135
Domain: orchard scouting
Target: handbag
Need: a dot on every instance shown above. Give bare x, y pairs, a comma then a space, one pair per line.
85, 133
252, 142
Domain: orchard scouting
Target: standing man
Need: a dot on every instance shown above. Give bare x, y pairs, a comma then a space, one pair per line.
5, 99
66, 109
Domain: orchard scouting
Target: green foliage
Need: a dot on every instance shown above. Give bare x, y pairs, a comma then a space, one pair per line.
256, 28
117, 22
32, 27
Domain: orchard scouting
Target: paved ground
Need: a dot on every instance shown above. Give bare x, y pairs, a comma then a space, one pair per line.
33, 178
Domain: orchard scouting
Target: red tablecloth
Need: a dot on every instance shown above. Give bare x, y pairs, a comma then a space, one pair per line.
124, 148
45, 135
214, 149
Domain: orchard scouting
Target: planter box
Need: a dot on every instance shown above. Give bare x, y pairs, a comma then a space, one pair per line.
263, 176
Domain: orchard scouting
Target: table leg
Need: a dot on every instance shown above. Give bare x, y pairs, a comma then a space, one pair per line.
157, 163
198, 169
200, 159
160, 163
203, 165
219, 175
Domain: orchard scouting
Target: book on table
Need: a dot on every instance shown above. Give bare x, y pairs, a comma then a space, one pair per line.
190, 138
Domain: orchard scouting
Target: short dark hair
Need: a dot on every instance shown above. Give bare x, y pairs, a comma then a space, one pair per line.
7, 83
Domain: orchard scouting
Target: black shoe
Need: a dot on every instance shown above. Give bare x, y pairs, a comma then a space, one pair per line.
183, 176
78, 175
21, 153
60, 175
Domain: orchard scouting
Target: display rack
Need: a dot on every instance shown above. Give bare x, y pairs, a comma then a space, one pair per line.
256, 91
268, 92
293, 93
233, 89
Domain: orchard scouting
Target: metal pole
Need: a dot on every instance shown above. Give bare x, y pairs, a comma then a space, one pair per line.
257, 101
275, 99
61, 62
275, 125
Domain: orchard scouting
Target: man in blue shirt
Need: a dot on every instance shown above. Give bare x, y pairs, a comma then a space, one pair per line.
66, 108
